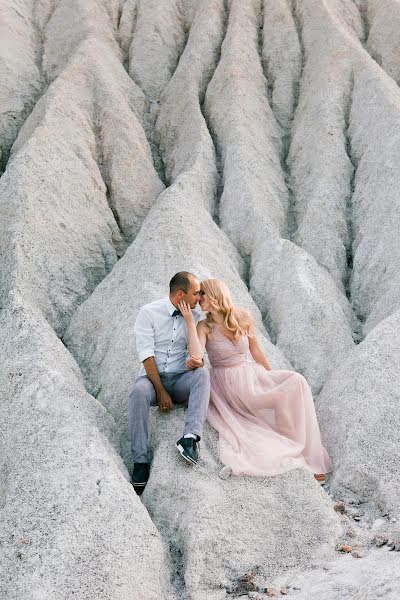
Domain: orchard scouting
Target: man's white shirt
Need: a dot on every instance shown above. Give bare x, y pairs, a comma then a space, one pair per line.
163, 336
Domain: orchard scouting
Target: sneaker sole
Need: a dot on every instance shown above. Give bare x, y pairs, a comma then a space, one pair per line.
187, 458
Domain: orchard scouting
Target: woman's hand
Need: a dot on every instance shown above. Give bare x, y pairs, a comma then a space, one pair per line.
186, 312
194, 362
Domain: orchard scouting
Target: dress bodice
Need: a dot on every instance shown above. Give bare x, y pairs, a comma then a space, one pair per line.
222, 352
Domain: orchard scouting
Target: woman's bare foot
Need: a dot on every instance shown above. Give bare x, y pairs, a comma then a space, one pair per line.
225, 472
321, 478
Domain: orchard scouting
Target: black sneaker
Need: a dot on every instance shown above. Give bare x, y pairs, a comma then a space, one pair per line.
140, 475
188, 449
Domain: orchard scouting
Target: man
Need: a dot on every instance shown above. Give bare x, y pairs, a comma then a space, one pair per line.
167, 376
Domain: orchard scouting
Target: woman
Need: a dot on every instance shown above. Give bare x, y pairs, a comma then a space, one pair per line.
265, 418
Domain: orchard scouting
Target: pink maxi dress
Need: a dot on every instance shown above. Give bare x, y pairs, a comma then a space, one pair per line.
266, 419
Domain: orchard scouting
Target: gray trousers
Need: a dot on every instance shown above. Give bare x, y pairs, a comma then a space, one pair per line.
191, 387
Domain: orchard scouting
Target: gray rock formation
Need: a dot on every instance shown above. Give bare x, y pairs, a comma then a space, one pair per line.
365, 441
254, 141
219, 530
71, 524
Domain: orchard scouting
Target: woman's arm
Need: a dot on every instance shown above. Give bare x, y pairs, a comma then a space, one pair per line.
196, 337
256, 350
202, 333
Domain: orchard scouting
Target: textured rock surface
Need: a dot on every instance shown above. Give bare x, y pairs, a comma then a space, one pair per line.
220, 530
275, 127
365, 441
71, 522
373, 576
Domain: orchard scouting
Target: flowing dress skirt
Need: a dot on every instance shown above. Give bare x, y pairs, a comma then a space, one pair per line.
266, 421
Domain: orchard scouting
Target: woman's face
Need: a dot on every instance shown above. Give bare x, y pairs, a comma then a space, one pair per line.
204, 301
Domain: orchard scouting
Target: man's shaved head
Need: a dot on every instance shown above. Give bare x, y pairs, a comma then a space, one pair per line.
181, 281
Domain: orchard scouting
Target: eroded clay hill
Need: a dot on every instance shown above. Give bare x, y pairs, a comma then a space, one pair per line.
253, 140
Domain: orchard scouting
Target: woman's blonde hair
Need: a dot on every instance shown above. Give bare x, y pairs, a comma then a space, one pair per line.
235, 320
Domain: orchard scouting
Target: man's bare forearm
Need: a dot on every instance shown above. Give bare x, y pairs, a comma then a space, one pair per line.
152, 373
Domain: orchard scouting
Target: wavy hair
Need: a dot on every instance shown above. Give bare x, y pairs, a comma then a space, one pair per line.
218, 295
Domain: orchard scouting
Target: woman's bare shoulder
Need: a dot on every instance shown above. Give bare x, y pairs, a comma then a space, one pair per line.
203, 325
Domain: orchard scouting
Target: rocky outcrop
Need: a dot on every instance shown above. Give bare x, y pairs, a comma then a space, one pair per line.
361, 427
71, 524
219, 530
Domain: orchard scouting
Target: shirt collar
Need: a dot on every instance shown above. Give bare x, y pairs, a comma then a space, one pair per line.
170, 307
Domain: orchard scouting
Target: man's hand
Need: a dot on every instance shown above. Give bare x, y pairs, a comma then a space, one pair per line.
165, 403
194, 362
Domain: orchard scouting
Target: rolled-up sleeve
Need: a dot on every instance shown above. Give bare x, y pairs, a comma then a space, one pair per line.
144, 331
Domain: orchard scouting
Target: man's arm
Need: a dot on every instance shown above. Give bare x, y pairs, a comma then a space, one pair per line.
144, 331
163, 398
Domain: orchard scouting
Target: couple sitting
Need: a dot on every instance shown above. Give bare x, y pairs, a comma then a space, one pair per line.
265, 418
